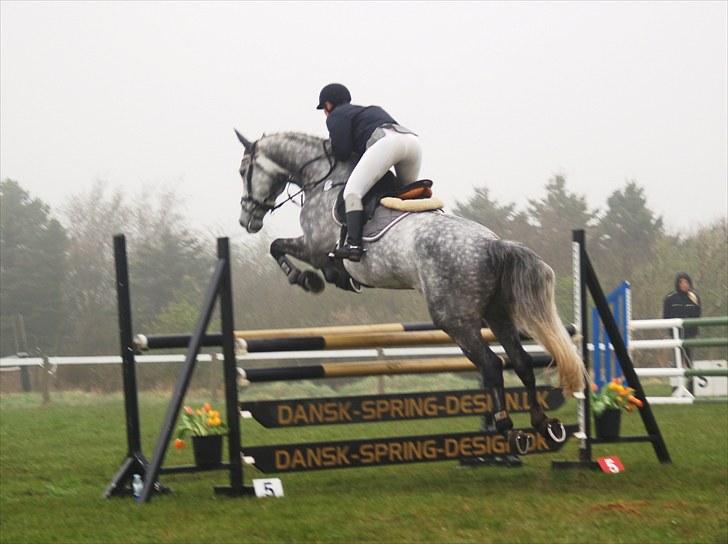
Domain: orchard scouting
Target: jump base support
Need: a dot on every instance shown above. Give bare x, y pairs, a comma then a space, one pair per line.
562, 465
228, 491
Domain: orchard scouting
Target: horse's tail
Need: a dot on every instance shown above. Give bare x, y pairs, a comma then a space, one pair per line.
528, 283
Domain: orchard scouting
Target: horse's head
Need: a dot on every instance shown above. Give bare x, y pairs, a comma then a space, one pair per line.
263, 181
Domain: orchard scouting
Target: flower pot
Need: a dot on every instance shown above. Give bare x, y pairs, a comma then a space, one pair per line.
207, 449
607, 424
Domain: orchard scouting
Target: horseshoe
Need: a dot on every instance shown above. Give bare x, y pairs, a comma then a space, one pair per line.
516, 441
557, 439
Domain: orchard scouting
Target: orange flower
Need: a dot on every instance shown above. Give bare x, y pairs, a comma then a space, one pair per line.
637, 402
179, 444
188, 410
626, 391
595, 387
614, 386
206, 407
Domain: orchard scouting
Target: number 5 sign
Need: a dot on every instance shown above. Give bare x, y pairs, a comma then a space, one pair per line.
268, 487
610, 465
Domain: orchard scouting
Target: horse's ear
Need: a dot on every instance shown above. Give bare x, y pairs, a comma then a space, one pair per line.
243, 140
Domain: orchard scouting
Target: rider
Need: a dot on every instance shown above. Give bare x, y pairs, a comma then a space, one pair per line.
380, 143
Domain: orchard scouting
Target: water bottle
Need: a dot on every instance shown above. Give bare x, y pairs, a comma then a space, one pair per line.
137, 485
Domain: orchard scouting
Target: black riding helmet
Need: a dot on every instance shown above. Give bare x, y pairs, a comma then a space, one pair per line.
335, 93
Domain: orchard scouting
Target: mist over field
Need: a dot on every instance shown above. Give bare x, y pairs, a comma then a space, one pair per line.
144, 95
534, 118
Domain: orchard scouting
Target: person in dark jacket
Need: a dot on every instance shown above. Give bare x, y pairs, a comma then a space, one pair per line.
380, 142
683, 302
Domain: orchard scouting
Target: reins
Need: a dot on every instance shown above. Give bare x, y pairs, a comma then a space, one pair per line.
302, 189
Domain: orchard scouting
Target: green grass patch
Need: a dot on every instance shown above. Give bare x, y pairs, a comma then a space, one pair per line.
55, 461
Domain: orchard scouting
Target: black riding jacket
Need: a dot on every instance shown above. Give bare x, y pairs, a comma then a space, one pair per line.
683, 305
350, 127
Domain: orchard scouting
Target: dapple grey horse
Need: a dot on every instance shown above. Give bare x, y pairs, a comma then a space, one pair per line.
466, 274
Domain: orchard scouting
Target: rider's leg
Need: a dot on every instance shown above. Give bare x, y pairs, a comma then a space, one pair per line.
353, 248
408, 169
374, 163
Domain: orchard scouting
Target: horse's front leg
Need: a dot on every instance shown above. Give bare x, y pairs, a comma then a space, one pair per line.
308, 280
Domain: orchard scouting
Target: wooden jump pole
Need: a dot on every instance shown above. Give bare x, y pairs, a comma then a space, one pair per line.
365, 368
349, 341
318, 338
325, 331
352, 341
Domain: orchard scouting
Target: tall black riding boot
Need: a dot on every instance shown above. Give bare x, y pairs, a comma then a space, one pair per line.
352, 249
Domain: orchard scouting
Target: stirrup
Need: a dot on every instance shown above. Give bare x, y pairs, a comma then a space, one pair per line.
350, 252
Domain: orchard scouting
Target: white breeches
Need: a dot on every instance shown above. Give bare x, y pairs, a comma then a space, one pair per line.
394, 149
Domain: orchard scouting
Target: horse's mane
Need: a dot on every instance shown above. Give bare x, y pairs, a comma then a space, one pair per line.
301, 137
287, 148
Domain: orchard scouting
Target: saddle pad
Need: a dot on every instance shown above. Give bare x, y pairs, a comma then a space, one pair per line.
419, 205
387, 186
382, 220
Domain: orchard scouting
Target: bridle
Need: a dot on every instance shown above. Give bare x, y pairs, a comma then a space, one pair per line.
249, 199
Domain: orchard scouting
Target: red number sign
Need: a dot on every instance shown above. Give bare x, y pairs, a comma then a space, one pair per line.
611, 464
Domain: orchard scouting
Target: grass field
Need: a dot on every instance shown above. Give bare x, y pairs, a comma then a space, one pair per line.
55, 461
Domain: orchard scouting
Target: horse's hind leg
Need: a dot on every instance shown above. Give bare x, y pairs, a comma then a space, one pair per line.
522, 363
509, 459
467, 335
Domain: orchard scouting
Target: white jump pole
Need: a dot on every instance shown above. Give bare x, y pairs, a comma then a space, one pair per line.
581, 413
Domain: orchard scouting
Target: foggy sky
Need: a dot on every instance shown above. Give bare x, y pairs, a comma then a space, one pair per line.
146, 94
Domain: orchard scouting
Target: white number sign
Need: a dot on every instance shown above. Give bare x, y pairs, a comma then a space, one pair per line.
268, 487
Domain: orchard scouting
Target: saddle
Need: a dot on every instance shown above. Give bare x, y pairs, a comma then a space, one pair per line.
385, 204
386, 192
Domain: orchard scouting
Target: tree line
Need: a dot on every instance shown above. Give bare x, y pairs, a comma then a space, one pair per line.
56, 266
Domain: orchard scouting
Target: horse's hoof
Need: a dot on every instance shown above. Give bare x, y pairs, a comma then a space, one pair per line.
508, 461
311, 282
553, 431
503, 422
519, 442
295, 277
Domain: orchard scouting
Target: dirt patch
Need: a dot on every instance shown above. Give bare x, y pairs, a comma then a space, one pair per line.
626, 507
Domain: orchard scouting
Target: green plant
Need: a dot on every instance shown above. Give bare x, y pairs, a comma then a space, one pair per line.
202, 421
613, 396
